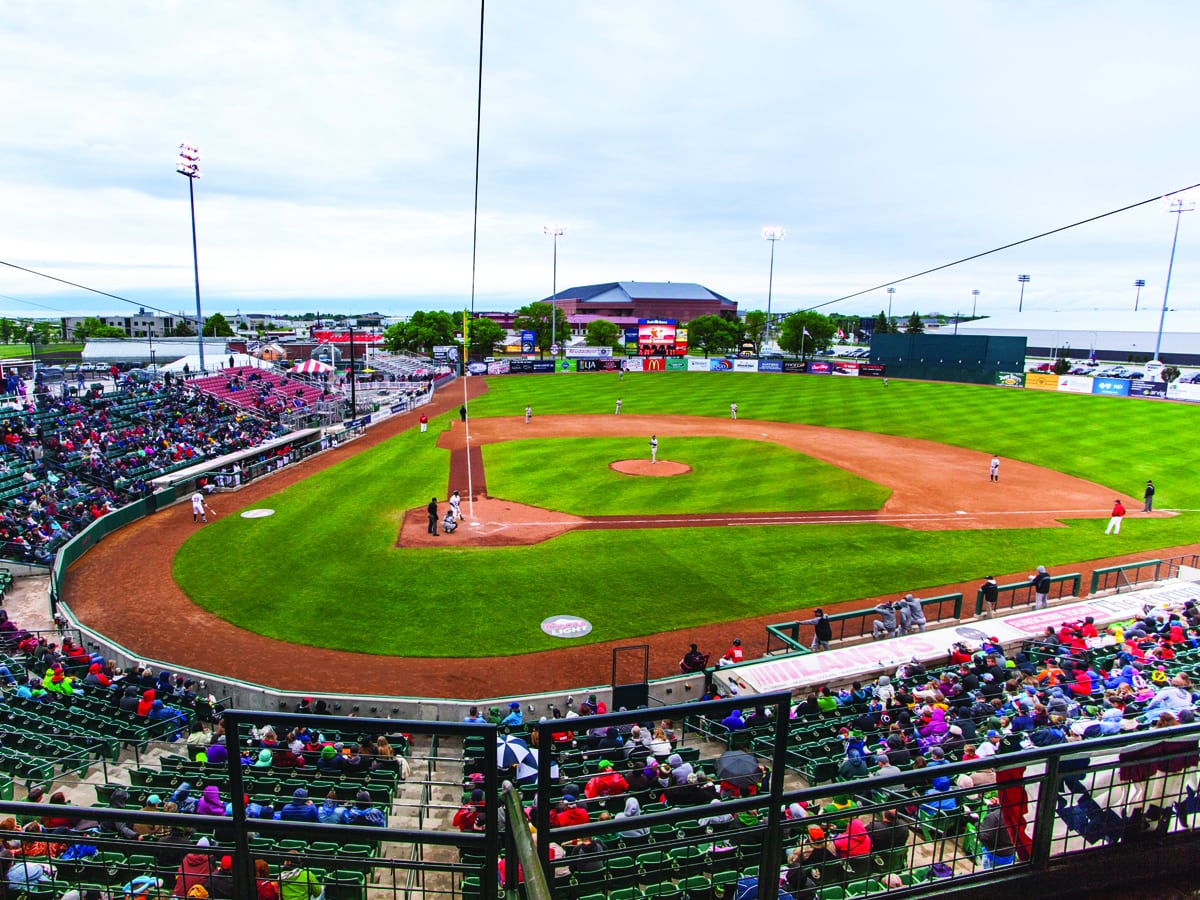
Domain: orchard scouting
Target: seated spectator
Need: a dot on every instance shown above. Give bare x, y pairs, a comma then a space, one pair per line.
297, 882
196, 870
298, 809
364, 812
330, 761
887, 832
853, 767
734, 721
210, 803
607, 783
567, 812
470, 817
853, 842
937, 800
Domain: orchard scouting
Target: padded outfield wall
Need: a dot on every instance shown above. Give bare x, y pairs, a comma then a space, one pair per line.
972, 359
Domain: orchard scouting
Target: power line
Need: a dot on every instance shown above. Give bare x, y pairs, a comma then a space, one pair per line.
84, 287
1035, 237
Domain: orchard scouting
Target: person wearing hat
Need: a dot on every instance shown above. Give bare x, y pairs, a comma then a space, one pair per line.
885, 626
299, 808
568, 812
220, 885
819, 856
989, 747
733, 655
822, 629
514, 717
1041, 585
364, 812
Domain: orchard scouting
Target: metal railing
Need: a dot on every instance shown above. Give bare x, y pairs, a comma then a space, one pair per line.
1012, 596
857, 624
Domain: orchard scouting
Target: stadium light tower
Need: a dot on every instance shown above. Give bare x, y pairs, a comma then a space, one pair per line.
1024, 279
555, 232
1178, 206
771, 233
188, 166
891, 293
1139, 284
974, 300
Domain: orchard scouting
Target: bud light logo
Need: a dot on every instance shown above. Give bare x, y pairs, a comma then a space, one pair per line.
566, 626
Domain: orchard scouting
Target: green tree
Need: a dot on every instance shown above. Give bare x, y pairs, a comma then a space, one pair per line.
485, 335
882, 326
92, 327
754, 328
713, 334
1170, 373
217, 326
794, 339
7, 329
421, 333
536, 318
914, 325
602, 333
183, 328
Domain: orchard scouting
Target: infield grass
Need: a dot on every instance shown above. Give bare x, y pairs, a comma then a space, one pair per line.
324, 569
572, 475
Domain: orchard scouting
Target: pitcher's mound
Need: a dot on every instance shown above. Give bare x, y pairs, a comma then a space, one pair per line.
645, 467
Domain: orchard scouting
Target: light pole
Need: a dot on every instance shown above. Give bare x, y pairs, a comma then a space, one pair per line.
771, 233
1178, 206
974, 300
189, 167
1024, 279
31, 336
891, 293
1139, 284
555, 232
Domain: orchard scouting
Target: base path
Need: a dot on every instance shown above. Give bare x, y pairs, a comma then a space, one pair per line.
124, 589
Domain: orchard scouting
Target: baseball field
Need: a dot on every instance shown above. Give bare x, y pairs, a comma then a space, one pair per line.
888, 487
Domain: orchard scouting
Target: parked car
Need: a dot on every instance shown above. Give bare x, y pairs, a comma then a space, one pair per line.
1043, 367
1080, 370
1133, 374
51, 373
1112, 372
1194, 378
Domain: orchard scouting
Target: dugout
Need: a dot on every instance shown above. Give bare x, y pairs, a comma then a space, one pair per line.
974, 359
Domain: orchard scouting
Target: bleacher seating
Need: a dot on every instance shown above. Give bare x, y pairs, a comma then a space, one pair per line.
262, 391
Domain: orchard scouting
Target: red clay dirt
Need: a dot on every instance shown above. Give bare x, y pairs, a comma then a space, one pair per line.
123, 587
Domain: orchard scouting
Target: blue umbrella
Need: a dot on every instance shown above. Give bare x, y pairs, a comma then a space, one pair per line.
513, 752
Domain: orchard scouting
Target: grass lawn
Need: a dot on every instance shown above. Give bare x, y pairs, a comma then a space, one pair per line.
573, 475
330, 546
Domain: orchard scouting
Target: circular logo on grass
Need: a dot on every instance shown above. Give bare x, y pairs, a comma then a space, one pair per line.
566, 626
257, 513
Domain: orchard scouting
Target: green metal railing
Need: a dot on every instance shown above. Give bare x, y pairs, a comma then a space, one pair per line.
1021, 593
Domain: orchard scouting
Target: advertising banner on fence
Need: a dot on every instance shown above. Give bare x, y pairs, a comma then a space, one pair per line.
871, 370
597, 365
745, 365
720, 364
681, 342
1188, 392
770, 365
654, 364
677, 364
793, 365
1113, 387
528, 342
1148, 389
844, 368
634, 365
631, 335
499, 367
1010, 379
695, 364
1041, 381
820, 367
582, 352
446, 352
1074, 384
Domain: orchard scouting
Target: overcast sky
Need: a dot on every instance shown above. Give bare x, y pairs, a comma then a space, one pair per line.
338, 142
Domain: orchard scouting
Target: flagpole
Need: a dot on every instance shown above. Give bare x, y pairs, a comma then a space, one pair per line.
467, 424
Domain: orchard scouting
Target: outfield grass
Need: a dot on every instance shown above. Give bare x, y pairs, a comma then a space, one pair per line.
324, 570
573, 475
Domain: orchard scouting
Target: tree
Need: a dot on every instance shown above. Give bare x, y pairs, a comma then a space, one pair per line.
713, 334
754, 328
881, 324
183, 328
7, 330
91, 327
484, 335
536, 318
421, 333
217, 326
1062, 366
914, 324
1170, 373
794, 339
602, 333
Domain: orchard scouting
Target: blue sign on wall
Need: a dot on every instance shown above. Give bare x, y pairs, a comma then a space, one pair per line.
770, 365
720, 365
1148, 389
1113, 387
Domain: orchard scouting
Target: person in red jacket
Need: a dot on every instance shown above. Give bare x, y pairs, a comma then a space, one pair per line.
1114, 523
853, 842
607, 784
567, 812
